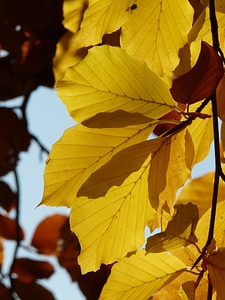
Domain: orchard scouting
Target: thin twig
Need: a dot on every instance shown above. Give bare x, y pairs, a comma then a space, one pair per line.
12, 290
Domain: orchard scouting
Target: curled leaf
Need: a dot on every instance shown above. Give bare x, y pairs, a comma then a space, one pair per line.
201, 81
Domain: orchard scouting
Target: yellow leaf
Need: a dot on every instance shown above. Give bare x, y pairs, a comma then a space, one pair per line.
199, 192
187, 290
110, 227
201, 132
78, 153
179, 232
67, 54
155, 32
216, 268
203, 226
121, 165
223, 137
170, 168
73, 13
108, 79
201, 31
140, 275
101, 17
220, 98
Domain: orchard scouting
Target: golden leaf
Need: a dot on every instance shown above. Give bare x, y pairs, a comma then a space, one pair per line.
140, 275
155, 32
107, 80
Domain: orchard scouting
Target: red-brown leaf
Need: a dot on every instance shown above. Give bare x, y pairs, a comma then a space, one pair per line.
29, 270
201, 81
47, 234
8, 229
68, 249
7, 197
31, 290
4, 292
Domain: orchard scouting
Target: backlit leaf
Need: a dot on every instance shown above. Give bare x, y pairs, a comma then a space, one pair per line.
101, 17
203, 226
216, 268
121, 165
201, 81
220, 98
187, 290
140, 275
73, 12
29, 270
79, 153
174, 157
47, 233
179, 232
155, 32
201, 132
5, 292
199, 192
108, 79
111, 226
7, 197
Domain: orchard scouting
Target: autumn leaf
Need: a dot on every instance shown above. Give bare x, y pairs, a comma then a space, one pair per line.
73, 13
152, 33
8, 229
111, 226
29, 270
179, 232
216, 268
140, 275
203, 224
47, 233
25, 290
199, 192
101, 17
108, 79
121, 165
172, 158
7, 197
220, 98
201, 81
79, 153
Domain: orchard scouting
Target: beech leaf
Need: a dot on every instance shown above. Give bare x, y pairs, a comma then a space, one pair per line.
47, 233
79, 153
118, 168
29, 270
140, 276
216, 268
111, 226
101, 17
108, 79
8, 229
179, 232
155, 32
201, 81
220, 98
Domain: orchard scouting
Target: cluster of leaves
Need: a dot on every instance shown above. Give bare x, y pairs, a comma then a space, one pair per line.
140, 132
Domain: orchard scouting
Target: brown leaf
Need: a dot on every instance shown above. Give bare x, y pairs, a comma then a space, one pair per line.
4, 292
31, 290
8, 229
14, 138
68, 249
47, 234
201, 81
7, 197
91, 283
1, 254
29, 270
